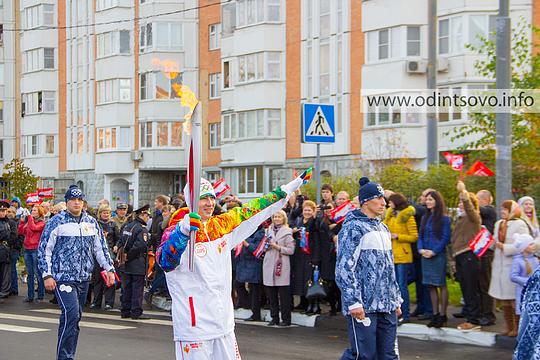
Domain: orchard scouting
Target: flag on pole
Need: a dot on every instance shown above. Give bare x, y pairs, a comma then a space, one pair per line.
455, 160
338, 214
304, 241
32, 198
221, 187
47, 193
479, 169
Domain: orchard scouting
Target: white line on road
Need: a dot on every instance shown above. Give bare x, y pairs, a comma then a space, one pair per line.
56, 321
20, 329
110, 317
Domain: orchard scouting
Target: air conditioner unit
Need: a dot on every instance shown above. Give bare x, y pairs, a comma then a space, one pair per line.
442, 65
136, 155
416, 66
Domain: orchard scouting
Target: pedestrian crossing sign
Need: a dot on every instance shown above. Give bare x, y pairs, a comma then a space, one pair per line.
318, 122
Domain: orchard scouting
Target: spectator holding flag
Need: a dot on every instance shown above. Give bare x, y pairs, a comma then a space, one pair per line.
302, 258
277, 269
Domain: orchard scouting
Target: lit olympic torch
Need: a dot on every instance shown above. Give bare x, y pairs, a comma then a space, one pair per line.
192, 127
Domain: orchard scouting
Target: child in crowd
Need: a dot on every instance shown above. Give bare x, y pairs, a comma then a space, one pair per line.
523, 264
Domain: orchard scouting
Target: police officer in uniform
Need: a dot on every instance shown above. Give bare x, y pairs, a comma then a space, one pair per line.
134, 239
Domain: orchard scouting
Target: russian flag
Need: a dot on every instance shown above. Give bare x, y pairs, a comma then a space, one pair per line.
304, 241
261, 248
338, 214
46, 192
32, 199
221, 187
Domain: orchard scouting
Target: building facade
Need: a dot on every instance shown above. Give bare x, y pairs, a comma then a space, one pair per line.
87, 87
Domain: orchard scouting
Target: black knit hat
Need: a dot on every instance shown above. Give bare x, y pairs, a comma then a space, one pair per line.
369, 190
74, 192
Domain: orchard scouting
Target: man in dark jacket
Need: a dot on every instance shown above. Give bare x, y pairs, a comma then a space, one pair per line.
489, 217
8, 237
157, 219
134, 239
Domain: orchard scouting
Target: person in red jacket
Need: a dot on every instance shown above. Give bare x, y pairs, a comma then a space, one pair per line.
31, 227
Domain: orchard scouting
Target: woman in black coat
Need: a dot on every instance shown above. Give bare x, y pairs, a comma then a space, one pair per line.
305, 234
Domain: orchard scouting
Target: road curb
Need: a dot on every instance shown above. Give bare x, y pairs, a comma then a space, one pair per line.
296, 318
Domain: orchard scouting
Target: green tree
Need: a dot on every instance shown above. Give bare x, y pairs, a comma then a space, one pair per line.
19, 178
525, 126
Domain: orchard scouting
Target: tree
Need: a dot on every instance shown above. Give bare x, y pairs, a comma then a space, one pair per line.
525, 125
19, 178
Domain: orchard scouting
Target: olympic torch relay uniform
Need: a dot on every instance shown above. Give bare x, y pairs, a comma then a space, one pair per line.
202, 308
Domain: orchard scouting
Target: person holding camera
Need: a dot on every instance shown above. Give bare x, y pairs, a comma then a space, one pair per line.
31, 227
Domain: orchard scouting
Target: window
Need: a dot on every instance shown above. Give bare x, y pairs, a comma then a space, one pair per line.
38, 59
1, 34
145, 41
324, 68
227, 75
481, 26
33, 145
251, 12
49, 144
251, 67
106, 4
384, 42
146, 135
247, 125
167, 134
1, 74
39, 15
114, 90
107, 138
125, 90
113, 43
445, 111
169, 35
1, 111
1, 149
273, 65
214, 31
144, 86
39, 102
250, 180
105, 91
324, 16
228, 16
214, 133
413, 40
215, 85
451, 35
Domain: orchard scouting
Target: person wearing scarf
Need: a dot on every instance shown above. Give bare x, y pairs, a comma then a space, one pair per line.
501, 287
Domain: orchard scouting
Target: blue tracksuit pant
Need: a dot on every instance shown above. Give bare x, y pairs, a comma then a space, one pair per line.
71, 298
378, 341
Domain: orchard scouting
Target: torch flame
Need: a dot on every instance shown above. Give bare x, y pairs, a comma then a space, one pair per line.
187, 97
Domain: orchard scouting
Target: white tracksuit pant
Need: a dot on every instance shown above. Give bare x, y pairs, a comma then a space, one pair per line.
223, 348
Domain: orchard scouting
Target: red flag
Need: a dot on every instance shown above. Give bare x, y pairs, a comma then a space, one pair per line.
338, 214
455, 160
221, 187
46, 193
479, 169
32, 199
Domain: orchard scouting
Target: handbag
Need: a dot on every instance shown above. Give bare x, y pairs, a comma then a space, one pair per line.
315, 287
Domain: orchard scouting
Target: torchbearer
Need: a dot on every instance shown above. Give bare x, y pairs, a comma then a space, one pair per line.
202, 308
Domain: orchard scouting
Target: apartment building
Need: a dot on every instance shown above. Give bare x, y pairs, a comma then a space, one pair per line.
87, 86
8, 85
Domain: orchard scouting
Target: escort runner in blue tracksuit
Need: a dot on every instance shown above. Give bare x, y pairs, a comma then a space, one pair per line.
365, 274
66, 253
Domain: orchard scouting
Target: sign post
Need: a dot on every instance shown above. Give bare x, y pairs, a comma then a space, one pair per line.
318, 127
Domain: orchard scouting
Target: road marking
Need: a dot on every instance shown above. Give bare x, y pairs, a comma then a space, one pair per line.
20, 329
110, 317
57, 321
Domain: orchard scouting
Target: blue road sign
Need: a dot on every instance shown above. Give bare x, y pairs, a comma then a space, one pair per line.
318, 124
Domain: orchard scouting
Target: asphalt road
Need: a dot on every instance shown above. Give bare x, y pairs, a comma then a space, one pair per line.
30, 331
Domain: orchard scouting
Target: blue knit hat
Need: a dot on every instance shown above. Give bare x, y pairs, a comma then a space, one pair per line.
369, 190
74, 192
